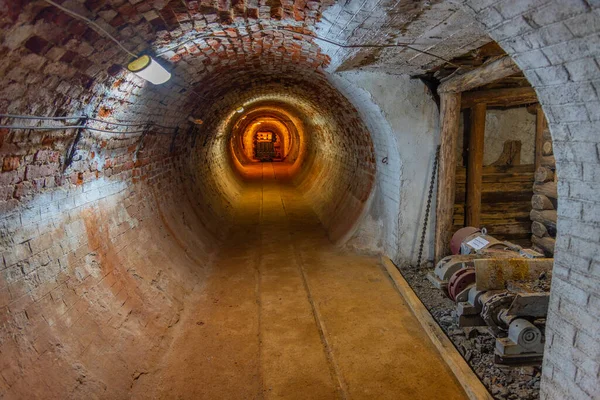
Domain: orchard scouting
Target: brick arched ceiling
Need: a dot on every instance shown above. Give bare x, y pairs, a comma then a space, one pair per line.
208, 44
224, 54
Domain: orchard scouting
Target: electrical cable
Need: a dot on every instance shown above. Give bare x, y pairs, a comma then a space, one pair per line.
205, 36
130, 123
39, 128
93, 24
345, 46
116, 132
57, 128
36, 117
126, 123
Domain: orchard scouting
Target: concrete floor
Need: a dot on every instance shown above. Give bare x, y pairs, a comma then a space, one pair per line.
284, 314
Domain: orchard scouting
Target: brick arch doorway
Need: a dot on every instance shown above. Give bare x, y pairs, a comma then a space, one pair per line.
550, 42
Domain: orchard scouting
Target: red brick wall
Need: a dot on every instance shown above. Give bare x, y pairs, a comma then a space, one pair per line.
98, 256
337, 170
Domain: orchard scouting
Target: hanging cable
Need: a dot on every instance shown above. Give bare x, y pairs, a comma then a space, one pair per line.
36, 117
215, 36
93, 25
126, 123
377, 46
57, 128
130, 123
82, 126
277, 29
39, 128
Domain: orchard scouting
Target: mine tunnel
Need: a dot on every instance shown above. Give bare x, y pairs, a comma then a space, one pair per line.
299, 199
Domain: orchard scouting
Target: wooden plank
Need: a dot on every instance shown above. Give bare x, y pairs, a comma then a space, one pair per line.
501, 178
500, 169
449, 122
516, 229
485, 74
508, 187
492, 219
494, 208
499, 97
494, 197
471, 384
487, 220
475, 165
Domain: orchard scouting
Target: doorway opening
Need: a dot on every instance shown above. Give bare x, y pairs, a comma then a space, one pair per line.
267, 146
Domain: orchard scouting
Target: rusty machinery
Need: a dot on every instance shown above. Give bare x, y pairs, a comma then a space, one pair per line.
497, 283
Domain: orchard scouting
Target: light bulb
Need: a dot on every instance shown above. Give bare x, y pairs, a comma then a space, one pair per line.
196, 121
239, 110
147, 68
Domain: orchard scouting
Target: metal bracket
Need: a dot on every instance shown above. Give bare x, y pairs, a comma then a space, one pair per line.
71, 153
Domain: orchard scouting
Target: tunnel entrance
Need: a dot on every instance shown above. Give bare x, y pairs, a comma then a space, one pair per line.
267, 146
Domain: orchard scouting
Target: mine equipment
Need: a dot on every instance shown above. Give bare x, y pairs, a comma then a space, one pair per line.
499, 285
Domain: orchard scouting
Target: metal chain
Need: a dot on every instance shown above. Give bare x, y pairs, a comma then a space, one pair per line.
431, 187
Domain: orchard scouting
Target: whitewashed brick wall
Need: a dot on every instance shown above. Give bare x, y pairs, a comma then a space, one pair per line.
557, 45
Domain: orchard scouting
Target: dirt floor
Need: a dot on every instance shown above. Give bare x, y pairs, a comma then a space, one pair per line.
284, 314
475, 344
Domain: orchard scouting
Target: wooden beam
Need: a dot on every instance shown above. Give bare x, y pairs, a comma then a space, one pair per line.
499, 97
471, 384
544, 174
540, 127
541, 202
546, 243
475, 165
449, 123
511, 153
546, 217
548, 189
487, 73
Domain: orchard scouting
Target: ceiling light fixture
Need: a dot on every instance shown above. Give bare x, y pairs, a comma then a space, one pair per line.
195, 121
239, 110
147, 68
144, 66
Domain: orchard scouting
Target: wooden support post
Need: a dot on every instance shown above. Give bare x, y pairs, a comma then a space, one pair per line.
450, 99
485, 74
499, 97
449, 123
475, 165
540, 127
